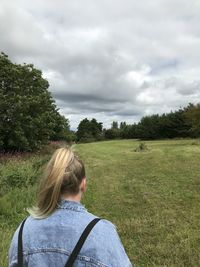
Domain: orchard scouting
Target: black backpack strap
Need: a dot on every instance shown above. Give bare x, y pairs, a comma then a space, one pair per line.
20, 245
80, 242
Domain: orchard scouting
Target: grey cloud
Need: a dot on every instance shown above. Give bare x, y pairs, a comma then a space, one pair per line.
86, 103
191, 88
113, 60
76, 98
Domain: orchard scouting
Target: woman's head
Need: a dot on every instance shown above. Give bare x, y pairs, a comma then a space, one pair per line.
63, 176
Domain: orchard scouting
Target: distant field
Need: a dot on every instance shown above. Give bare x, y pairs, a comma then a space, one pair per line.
153, 197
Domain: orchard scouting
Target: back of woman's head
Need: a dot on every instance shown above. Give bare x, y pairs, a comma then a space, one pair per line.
63, 175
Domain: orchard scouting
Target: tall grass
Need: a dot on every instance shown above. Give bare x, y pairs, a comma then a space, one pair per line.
152, 197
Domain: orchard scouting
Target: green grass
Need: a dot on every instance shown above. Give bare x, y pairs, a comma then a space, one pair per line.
153, 198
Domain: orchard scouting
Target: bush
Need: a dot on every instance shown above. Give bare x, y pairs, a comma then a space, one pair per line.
141, 148
196, 142
19, 174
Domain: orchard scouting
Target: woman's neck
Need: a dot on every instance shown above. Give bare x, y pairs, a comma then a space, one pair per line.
76, 198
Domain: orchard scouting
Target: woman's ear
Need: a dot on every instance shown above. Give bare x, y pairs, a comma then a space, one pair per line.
83, 185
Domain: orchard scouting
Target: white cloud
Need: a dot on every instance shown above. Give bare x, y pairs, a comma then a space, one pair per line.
108, 59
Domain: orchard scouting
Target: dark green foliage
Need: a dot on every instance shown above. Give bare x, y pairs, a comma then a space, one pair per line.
192, 115
148, 127
114, 125
174, 125
95, 129
112, 133
89, 131
71, 137
125, 131
178, 124
61, 128
130, 131
28, 113
169, 125
83, 129
122, 125
182, 123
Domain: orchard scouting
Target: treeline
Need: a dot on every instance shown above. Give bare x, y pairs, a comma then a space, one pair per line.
29, 117
182, 123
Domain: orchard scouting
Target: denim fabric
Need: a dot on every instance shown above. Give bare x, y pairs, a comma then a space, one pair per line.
49, 242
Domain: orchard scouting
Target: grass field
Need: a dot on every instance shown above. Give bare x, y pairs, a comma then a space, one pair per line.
153, 197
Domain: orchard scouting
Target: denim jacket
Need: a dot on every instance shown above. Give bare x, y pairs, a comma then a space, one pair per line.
49, 241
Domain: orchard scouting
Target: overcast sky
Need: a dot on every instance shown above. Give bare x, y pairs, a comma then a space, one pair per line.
108, 59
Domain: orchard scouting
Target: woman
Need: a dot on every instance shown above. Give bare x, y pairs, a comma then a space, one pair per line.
57, 222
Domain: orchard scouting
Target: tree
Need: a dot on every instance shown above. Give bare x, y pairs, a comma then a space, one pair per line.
129, 131
83, 129
149, 127
174, 125
89, 131
113, 132
192, 115
114, 125
61, 129
28, 113
169, 125
122, 125
96, 129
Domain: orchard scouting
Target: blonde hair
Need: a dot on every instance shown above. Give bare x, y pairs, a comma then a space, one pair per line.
63, 175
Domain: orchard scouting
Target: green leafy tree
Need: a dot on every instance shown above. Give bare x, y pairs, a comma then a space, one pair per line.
83, 129
28, 113
129, 131
61, 129
169, 125
113, 132
122, 125
174, 124
89, 131
192, 115
148, 127
96, 129
114, 125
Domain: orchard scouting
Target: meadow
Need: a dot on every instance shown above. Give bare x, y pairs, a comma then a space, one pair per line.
152, 196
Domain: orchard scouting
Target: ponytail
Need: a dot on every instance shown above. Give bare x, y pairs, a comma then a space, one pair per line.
63, 174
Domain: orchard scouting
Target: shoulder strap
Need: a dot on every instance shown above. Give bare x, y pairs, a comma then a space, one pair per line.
20, 245
80, 242
74, 253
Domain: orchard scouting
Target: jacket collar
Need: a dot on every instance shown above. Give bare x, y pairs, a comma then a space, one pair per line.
71, 205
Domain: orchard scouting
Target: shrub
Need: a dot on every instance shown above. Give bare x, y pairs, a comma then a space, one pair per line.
196, 142
142, 147
19, 174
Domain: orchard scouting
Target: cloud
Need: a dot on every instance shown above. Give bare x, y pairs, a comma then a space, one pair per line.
111, 60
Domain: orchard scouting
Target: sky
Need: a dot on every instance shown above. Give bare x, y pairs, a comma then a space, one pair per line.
112, 60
